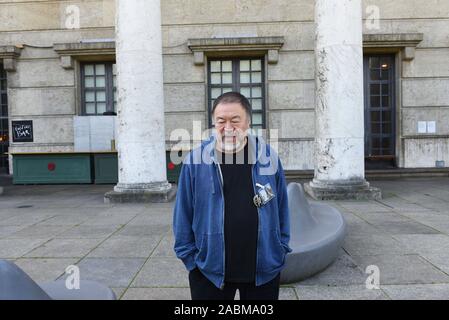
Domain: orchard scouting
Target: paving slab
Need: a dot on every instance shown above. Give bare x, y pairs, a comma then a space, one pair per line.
417, 292
88, 231
16, 248
351, 292
113, 272
403, 269
372, 244
162, 272
126, 247
64, 248
343, 271
425, 243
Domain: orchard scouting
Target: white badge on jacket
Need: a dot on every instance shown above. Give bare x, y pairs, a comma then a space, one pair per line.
264, 195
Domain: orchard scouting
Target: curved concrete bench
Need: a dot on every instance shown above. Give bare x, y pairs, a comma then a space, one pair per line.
15, 284
317, 232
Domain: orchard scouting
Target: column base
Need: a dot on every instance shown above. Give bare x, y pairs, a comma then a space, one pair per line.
141, 193
342, 190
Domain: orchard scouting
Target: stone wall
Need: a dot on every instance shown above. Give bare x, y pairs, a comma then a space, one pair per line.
41, 90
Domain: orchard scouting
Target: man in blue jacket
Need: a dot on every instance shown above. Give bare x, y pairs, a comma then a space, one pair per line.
231, 217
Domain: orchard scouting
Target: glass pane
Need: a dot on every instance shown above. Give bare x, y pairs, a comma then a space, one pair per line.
215, 92
99, 69
386, 128
375, 75
256, 104
385, 102
255, 65
384, 62
89, 69
101, 96
244, 77
257, 119
385, 89
227, 78
100, 82
215, 78
375, 116
256, 77
386, 143
101, 107
385, 75
375, 89
227, 90
226, 66
90, 96
386, 116
376, 143
375, 101
89, 82
90, 108
244, 65
215, 66
256, 92
375, 127
245, 91
374, 62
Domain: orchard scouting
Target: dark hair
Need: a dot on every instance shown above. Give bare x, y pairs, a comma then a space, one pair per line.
233, 97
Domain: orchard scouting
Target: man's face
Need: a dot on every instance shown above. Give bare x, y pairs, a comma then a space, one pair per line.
231, 125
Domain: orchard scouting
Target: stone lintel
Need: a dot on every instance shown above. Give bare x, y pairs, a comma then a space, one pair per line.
405, 42
238, 45
84, 51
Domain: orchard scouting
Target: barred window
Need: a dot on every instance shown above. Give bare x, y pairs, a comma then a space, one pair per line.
98, 88
244, 75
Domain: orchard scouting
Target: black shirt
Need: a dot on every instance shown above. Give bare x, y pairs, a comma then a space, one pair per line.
241, 217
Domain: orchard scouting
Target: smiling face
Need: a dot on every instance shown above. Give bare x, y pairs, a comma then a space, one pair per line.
231, 124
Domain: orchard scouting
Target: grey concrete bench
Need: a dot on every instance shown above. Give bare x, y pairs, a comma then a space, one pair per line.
317, 232
15, 284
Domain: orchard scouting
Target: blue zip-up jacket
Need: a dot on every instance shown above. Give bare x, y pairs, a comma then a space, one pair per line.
198, 218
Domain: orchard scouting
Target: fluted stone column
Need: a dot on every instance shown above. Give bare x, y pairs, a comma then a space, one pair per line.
339, 110
140, 126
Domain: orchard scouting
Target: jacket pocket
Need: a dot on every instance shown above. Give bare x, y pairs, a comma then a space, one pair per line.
210, 254
272, 253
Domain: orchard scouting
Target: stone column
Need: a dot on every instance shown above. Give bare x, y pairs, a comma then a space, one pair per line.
140, 125
339, 110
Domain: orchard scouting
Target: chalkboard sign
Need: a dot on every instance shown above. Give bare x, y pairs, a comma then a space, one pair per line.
22, 131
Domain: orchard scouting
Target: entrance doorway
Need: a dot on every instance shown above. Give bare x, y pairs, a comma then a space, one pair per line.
379, 87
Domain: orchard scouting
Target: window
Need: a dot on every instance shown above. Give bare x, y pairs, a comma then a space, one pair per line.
244, 75
4, 141
98, 88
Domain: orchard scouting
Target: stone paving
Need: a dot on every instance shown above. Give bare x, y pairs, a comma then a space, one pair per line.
129, 247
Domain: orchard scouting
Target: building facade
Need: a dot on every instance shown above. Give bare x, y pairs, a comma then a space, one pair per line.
59, 92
